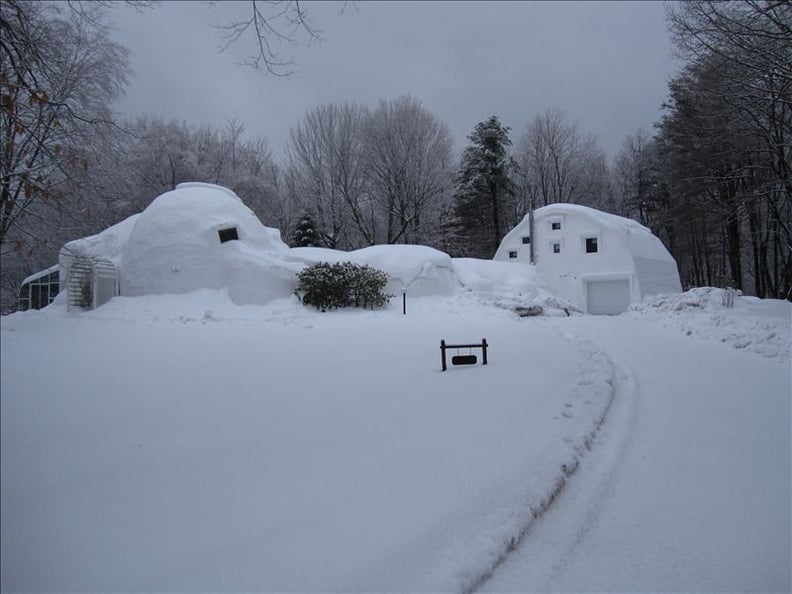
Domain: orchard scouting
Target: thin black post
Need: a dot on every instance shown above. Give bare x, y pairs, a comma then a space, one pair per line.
484, 350
404, 302
442, 353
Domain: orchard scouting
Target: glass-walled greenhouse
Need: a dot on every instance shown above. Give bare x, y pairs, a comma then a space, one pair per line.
40, 289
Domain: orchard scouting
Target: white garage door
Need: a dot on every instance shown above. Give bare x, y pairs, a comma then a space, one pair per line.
608, 297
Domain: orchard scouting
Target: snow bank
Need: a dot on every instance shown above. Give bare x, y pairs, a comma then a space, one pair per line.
518, 288
761, 326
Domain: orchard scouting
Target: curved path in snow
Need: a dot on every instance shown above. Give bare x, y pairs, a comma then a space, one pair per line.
687, 487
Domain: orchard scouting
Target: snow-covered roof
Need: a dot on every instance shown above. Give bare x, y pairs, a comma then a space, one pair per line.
40, 274
108, 244
603, 219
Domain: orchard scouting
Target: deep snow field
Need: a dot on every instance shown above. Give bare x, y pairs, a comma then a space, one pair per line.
183, 443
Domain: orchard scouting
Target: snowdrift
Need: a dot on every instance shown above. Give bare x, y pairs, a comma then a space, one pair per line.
750, 323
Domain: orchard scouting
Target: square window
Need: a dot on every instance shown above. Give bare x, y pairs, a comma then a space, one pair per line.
227, 234
512, 254
556, 226
556, 248
526, 240
591, 245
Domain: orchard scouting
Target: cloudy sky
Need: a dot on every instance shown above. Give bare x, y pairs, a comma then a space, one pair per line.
605, 64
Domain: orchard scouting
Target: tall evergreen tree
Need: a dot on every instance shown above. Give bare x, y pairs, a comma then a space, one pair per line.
483, 183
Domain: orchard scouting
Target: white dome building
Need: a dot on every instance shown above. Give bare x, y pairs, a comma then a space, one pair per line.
601, 262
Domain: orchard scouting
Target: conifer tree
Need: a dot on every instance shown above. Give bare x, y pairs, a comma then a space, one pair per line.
483, 183
305, 234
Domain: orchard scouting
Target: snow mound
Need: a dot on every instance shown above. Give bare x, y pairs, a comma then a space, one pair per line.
753, 324
420, 270
515, 287
175, 247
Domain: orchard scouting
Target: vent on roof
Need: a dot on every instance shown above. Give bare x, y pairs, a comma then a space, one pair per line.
227, 234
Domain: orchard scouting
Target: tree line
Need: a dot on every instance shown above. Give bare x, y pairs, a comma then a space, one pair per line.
713, 179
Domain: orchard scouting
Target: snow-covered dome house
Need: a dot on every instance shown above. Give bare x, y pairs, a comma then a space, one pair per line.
197, 236
202, 236
601, 262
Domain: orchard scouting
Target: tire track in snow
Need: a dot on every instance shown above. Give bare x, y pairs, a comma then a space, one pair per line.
618, 416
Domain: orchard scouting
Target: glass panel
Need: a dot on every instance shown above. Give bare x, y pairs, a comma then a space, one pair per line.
35, 296
526, 240
556, 248
591, 245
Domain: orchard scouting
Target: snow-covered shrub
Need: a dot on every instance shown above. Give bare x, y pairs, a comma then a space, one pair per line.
343, 284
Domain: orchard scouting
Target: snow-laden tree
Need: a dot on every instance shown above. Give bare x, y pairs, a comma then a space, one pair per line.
408, 166
58, 77
484, 182
561, 164
59, 74
305, 233
326, 158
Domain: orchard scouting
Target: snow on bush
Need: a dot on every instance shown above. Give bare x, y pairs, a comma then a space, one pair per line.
758, 325
330, 286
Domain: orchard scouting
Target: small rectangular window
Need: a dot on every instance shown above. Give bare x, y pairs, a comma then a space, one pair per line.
591, 245
555, 226
228, 234
556, 248
526, 240
512, 254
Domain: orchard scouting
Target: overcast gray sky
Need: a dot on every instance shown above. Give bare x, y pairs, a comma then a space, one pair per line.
606, 64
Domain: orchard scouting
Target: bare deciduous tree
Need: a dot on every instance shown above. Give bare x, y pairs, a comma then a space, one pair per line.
560, 164
408, 163
326, 158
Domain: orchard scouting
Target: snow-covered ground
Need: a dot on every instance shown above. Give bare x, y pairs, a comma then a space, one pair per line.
184, 443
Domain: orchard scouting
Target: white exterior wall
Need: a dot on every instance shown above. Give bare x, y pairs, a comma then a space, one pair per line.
620, 244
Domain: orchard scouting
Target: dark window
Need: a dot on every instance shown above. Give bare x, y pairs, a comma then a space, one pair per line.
512, 254
556, 248
228, 234
591, 245
526, 240
555, 226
